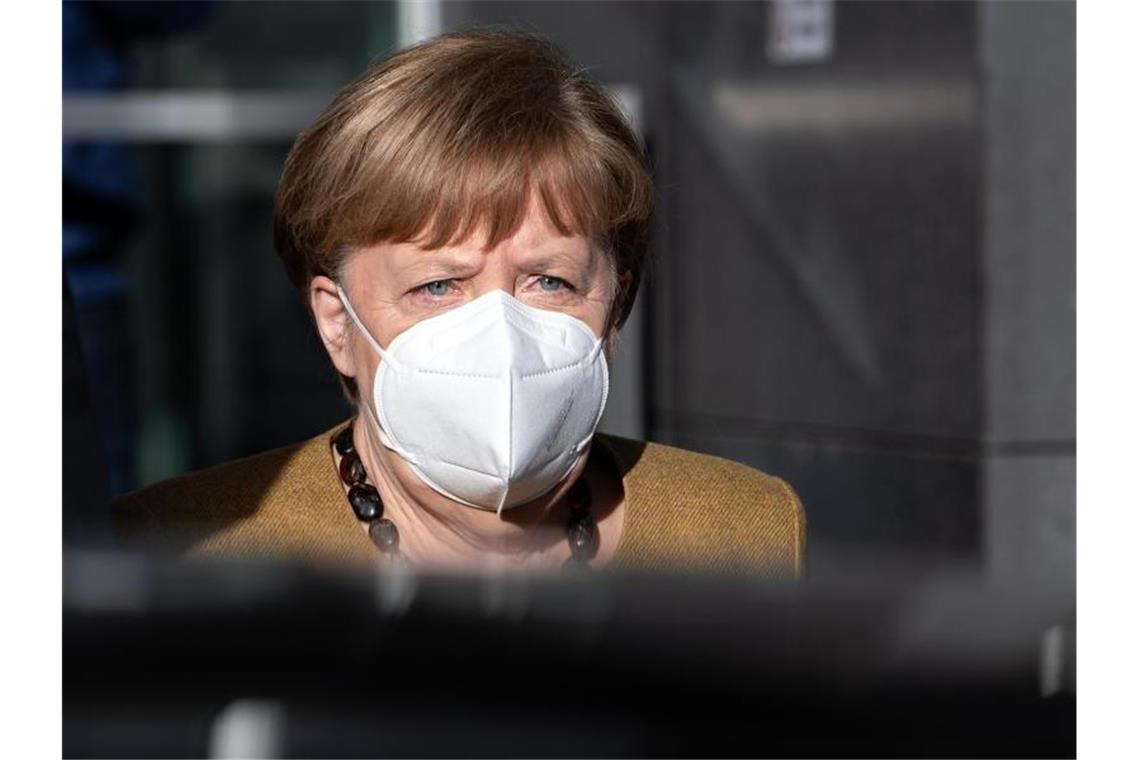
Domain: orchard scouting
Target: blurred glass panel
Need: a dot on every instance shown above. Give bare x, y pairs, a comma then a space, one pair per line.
229, 362
216, 353
272, 45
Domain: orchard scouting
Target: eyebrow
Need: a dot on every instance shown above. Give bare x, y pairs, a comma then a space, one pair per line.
544, 259
439, 265
436, 264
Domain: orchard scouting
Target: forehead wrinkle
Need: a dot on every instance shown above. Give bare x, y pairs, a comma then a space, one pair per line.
536, 244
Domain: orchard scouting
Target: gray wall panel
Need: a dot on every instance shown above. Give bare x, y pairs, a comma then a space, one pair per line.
1030, 520
824, 264
1028, 52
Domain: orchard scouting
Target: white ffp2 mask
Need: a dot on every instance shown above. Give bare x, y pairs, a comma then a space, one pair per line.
490, 403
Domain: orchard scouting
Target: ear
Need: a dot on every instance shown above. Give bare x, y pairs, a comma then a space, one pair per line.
333, 323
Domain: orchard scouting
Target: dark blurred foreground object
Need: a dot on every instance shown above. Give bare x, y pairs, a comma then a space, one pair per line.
266, 660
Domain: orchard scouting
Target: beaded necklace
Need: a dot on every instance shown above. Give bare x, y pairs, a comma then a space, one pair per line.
581, 532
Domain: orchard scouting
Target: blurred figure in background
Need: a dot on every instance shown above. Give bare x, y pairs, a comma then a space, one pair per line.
100, 198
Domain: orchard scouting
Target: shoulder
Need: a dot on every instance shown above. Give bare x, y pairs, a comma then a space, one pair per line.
693, 509
240, 498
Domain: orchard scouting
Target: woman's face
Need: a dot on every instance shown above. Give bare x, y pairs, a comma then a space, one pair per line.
392, 286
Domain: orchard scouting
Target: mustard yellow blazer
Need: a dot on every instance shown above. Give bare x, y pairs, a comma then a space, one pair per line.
684, 511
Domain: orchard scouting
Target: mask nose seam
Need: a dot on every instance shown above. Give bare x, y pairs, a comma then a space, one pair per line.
510, 441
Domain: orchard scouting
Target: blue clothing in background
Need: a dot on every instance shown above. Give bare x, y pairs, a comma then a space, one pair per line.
100, 183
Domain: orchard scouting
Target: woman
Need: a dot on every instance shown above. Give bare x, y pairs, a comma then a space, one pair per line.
467, 223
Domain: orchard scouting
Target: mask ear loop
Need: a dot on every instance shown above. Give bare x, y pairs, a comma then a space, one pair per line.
352, 314
384, 439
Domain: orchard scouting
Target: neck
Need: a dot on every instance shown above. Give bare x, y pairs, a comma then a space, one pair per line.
438, 531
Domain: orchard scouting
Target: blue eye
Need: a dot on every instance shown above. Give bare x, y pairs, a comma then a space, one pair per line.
438, 288
550, 284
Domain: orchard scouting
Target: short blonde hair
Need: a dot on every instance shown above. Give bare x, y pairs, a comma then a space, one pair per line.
454, 136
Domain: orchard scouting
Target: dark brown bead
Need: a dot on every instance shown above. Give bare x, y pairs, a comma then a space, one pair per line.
384, 534
343, 442
583, 539
352, 470
579, 511
578, 497
365, 502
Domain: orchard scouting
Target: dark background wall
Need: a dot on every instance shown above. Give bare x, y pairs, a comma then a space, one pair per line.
865, 261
